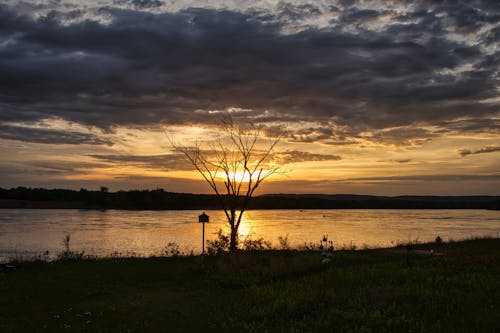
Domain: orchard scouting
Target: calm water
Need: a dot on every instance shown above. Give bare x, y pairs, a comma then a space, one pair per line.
31, 232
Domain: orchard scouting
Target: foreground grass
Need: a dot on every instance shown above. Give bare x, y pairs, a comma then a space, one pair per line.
383, 290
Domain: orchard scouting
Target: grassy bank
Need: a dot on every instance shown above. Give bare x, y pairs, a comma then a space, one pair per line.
455, 289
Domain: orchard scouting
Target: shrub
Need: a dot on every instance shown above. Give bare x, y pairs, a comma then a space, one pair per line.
256, 244
218, 245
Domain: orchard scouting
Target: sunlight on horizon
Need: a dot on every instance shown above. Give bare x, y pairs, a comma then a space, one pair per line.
238, 176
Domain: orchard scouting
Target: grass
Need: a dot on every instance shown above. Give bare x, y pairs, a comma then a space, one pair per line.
457, 289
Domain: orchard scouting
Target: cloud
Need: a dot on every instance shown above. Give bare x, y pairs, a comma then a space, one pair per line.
140, 4
402, 160
487, 149
295, 156
289, 12
310, 134
401, 136
64, 166
50, 136
368, 69
438, 177
44, 170
20, 172
470, 125
164, 162
333, 134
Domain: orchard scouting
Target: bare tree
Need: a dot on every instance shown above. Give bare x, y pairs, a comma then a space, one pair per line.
234, 166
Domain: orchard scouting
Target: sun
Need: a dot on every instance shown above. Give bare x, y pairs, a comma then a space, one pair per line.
239, 176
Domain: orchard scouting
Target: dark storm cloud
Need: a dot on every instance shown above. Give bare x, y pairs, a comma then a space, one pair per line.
143, 68
50, 136
488, 149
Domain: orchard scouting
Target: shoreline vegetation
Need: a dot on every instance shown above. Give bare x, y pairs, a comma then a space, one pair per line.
159, 199
419, 287
220, 246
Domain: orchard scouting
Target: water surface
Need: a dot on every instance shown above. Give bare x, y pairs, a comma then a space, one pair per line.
29, 232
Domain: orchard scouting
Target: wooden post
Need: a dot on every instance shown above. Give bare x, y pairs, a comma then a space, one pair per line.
203, 218
203, 247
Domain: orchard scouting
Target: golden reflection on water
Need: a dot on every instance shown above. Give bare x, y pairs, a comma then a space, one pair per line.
247, 226
145, 233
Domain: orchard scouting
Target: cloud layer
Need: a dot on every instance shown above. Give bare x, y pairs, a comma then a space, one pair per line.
50, 136
367, 69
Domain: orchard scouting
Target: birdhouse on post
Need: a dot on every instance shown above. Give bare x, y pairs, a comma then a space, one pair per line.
203, 218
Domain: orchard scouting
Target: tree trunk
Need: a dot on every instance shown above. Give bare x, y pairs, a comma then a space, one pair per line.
233, 243
233, 240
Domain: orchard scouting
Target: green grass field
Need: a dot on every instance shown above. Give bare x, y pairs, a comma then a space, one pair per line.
456, 289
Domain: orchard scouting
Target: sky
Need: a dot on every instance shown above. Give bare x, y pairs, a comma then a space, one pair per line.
369, 97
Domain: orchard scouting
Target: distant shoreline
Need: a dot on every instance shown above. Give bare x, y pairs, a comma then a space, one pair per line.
261, 205
159, 199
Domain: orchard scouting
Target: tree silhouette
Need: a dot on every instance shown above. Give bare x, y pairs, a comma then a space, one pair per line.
234, 166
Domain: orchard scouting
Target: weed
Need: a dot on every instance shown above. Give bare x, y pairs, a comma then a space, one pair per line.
67, 254
283, 242
172, 250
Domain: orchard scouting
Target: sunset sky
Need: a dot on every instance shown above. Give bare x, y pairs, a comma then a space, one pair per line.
370, 97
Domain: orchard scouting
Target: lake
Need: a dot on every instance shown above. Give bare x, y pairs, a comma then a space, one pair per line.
29, 232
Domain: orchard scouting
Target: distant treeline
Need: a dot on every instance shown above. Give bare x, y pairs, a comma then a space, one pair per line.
22, 197
136, 199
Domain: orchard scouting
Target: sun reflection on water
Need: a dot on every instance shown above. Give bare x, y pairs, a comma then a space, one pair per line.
148, 232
